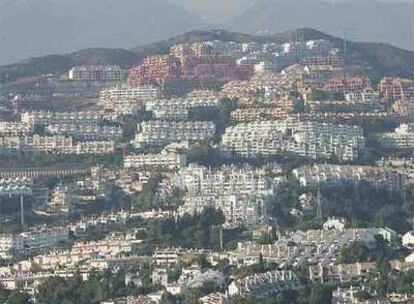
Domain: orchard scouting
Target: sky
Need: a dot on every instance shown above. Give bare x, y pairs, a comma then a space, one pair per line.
221, 11
39, 27
216, 11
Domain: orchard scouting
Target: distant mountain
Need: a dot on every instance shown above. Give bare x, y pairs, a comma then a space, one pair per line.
363, 20
383, 58
38, 27
215, 11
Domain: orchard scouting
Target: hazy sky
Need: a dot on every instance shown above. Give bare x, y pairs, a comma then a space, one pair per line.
220, 11
39, 27
216, 11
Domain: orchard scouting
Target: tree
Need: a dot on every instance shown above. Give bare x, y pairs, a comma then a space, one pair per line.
19, 297
355, 252
320, 295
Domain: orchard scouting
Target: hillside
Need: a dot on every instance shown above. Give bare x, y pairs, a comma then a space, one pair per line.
385, 59
362, 20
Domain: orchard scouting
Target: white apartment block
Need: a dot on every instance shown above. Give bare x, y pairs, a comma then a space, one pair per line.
254, 114
159, 133
86, 132
16, 186
264, 284
164, 257
226, 180
15, 128
340, 238
110, 246
214, 298
337, 176
11, 145
160, 160
90, 253
307, 139
177, 108
401, 138
53, 144
239, 210
51, 118
125, 92
126, 100
33, 240
97, 73
93, 147
248, 253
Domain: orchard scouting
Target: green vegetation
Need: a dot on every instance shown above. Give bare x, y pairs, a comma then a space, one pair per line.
98, 287
313, 294
368, 206
196, 231
148, 198
219, 115
14, 297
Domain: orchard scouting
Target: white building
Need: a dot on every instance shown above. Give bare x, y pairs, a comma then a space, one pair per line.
177, 108
334, 223
225, 180
337, 176
33, 240
159, 133
239, 210
160, 276
162, 160
86, 132
408, 239
125, 99
97, 73
8, 128
307, 139
401, 138
57, 144
51, 118
264, 284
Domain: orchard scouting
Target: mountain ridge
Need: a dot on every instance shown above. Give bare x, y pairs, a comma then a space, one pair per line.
386, 58
369, 20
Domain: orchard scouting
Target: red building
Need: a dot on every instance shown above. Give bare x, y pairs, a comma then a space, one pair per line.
155, 70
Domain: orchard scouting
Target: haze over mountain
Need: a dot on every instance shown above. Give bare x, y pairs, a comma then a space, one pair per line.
216, 11
38, 27
365, 20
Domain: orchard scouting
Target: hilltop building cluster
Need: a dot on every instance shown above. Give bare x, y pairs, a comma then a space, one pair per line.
212, 172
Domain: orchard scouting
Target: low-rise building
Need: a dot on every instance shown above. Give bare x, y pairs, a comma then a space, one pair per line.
238, 210
178, 108
264, 284
37, 239
198, 179
338, 176
50, 118
8, 128
161, 133
86, 132
214, 298
127, 100
340, 272
110, 73
307, 139
162, 160
401, 138
408, 239
57, 144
